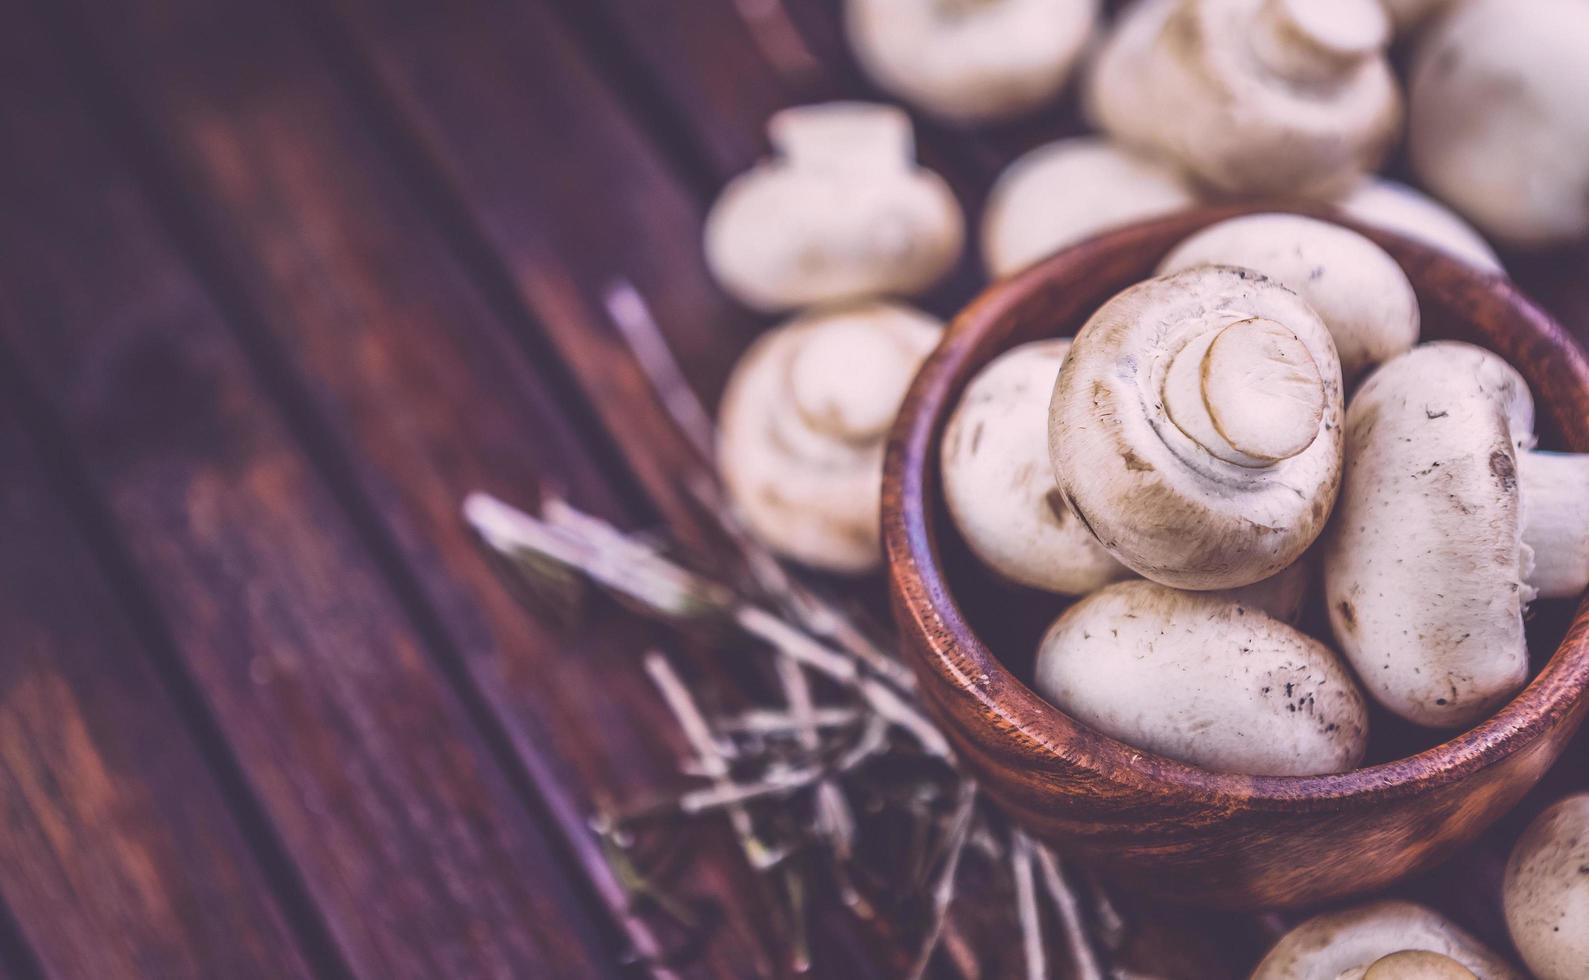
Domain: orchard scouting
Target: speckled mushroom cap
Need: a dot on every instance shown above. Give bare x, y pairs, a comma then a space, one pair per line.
1203, 679
1496, 119
841, 212
1425, 568
998, 483
1254, 97
1195, 427
1331, 946
1069, 190
1360, 292
1547, 891
970, 60
802, 425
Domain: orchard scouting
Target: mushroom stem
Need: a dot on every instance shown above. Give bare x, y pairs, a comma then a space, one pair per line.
1554, 489
1311, 42
843, 136
1249, 393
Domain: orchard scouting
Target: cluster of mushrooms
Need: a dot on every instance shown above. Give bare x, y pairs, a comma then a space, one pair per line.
1257, 417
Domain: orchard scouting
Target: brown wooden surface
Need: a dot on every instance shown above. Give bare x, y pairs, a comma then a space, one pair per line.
279, 283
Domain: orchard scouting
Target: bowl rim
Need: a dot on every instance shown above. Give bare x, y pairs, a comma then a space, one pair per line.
953, 659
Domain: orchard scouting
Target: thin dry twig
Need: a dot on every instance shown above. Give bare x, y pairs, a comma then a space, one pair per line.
1026, 907
943, 890
1063, 896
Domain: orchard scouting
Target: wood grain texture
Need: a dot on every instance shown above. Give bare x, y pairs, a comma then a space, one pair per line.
1183, 832
118, 855
427, 392
411, 843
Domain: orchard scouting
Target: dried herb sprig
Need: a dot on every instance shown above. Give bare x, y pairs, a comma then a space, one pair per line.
778, 772
807, 777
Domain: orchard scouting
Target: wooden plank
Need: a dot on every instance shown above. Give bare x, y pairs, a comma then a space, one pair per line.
548, 173
428, 392
118, 855
412, 843
454, 119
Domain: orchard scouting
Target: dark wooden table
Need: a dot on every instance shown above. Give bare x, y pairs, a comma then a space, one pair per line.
279, 284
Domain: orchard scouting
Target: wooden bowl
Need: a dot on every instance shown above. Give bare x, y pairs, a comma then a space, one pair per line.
1182, 832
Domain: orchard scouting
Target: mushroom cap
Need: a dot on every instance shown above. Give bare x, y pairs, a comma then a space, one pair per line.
1497, 125
841, 212
969, 60
1203, 679
1407, 211
1161, 489
1254, 97
1424, 565
1360, 292
1412, 964
1070, 190
1330, 946
999, 485
802, 426
1546, 891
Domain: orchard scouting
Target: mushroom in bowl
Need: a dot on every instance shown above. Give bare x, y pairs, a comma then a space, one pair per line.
1185, 831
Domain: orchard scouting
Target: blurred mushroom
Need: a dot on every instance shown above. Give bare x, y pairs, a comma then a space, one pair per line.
1445, 530
841, 212
800, 440
1205, 680
1336, 945
999, 485
1497, 120
1195, 428
1547, 891
1252, 96
1063, 192
1406, 211
1409, 15
1354, 285
970, 60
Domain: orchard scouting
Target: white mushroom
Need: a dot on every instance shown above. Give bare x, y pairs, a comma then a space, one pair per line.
1335, 945
999, 485
841, 212
1195, 428
1205, 680
1354, 285
970, 60
1547, 892
1252, 96
1410, 212
1445, 530
1411, 964
1064, 192
1497, 125
802, 424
